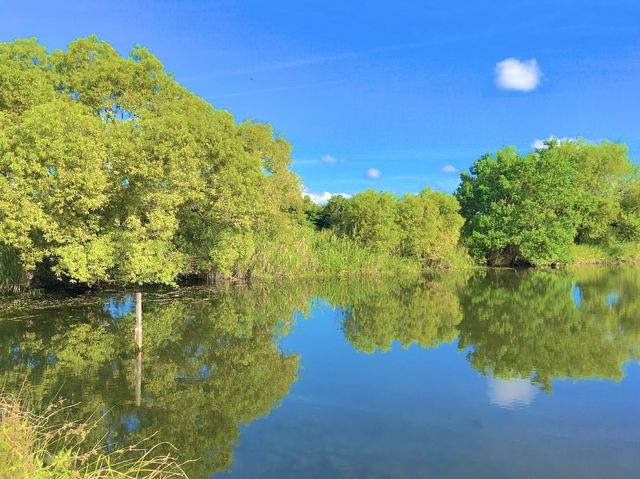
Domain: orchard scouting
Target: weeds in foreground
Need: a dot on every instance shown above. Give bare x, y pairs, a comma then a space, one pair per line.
32, 447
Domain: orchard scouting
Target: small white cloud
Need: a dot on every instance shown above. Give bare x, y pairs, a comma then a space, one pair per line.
510, 393
512, 74
538, 144
373, 173
542, 144
448, 169
328, 160
322, 198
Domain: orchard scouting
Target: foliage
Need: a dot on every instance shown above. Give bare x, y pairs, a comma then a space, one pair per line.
613, 253
370, 219
11, 272
341, 256
627, 224
424, 227
519, 210
430, 226
601, 173
110, 171
113, 173
530, 209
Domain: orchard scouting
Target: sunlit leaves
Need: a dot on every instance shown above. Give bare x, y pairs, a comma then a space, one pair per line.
530, 209
519, 210
111, 172
425, 227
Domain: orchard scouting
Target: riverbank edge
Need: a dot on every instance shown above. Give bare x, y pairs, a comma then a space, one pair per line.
582, 256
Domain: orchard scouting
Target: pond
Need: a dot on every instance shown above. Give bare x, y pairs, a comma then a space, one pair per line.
484, 374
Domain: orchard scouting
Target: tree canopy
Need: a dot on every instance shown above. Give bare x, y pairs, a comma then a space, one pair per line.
111, 171
530, 209
425, 226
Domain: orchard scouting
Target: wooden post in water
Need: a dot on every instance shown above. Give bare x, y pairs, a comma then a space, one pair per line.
138, 371
138, 330
138, 340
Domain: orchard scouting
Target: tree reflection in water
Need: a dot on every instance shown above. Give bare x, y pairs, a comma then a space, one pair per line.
210, 364
212, 360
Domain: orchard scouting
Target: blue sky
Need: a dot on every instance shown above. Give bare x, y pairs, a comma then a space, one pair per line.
388, 93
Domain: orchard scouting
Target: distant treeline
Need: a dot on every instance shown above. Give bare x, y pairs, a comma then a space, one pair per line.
113, 173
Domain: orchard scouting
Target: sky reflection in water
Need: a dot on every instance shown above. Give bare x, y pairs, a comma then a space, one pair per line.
490, 374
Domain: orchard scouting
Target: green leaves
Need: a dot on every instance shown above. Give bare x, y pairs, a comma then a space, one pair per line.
531, 209
27, 77
425, 226
520, 210
53, 179
430, 226
110, 171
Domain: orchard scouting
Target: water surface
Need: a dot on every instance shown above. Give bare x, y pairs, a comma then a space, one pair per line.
489, 374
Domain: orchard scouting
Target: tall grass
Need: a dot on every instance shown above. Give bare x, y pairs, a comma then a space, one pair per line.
285, 256
605, 254
323, 253
33, 446
336, 256
11, 273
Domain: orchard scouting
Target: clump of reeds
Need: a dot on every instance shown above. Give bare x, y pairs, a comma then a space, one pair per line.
34, 446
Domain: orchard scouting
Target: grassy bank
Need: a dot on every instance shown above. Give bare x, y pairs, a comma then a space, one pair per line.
620, 253
325, 254
32, 447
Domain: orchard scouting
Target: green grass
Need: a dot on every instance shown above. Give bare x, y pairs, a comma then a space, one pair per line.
594, 254
31, 447
11, 273
286, 256
337, 256
324, 254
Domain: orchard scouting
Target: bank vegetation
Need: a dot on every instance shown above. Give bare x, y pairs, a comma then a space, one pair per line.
112, 173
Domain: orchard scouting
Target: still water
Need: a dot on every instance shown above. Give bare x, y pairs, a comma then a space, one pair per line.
490, 374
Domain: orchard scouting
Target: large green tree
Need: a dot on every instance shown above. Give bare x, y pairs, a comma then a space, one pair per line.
110, 171
602, 172
530, 209
520, 209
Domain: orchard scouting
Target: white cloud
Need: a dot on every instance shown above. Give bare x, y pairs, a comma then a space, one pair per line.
538, 144
328, 160
541, 144
322, 198
373, 173
510, 393
512, 74
448, 169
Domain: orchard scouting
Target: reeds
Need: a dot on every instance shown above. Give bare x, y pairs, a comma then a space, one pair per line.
35, 446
